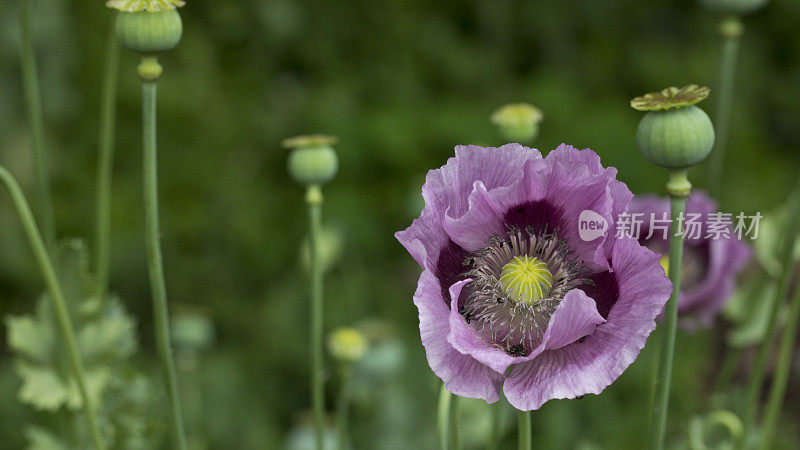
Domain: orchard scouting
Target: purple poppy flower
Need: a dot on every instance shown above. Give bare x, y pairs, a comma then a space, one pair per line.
712, 255
509, 282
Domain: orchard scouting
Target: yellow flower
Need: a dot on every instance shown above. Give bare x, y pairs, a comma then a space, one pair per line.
347, 344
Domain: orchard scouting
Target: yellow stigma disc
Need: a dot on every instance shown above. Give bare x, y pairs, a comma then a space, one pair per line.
526, 279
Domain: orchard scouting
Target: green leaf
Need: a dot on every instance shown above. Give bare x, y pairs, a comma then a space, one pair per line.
107, 338
44, 388
30, 338
110, 337
42, 439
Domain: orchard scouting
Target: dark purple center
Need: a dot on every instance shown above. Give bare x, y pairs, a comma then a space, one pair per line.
540, 215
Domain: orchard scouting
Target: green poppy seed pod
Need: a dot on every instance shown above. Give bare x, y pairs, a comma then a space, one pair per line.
149, 33
312, 160
518, 122
674, 134
676, 139
734, 6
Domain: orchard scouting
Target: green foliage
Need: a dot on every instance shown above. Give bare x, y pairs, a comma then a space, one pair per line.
107, 339
401, 83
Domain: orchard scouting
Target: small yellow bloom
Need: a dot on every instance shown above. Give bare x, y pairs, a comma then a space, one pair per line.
347, 344
518, 122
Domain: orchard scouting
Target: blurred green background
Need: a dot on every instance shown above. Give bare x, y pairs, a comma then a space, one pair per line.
400, 83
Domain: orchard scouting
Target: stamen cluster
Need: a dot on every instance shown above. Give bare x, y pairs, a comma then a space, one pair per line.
511, 323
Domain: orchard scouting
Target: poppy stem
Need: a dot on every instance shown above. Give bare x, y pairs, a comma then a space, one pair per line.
525, 435
759, 367
494, 426
678, 188
33, 98
444, 417
343, 406
155, 264
58, 300
314, 201
105, 163
455, 433
731, 30
784, 365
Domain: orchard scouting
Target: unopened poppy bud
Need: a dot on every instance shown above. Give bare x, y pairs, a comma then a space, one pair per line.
731, 28
518, 122
192, 330
734, 6
674, 134
347, 344
331, 244
148, 27
312, 159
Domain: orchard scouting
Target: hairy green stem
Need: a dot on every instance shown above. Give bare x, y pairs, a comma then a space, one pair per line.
494, 426
343, 407
455, 431
59, 302
658, 425
758, 373
155, 265
105, 163
525, 432
782, 370
727, 370
443, 417
30, 84
731, 30
314, 201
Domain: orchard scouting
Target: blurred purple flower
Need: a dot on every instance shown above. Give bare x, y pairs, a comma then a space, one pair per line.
711, 258
565, 328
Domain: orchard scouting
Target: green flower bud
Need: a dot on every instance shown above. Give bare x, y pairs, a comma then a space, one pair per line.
149, 33
674, 134
331, 245
347, 344
734, 6
731, 28
518, 122
312, 159
192, 330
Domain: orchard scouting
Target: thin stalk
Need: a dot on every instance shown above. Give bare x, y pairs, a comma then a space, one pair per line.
314, 202
782, 370
155, 265
30, 84
655, 341
525, 433
760, 366
59, 303
494, 426
731, 31
443, 418
658, 425
455, 433
727, 370
343, 407
105, 163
